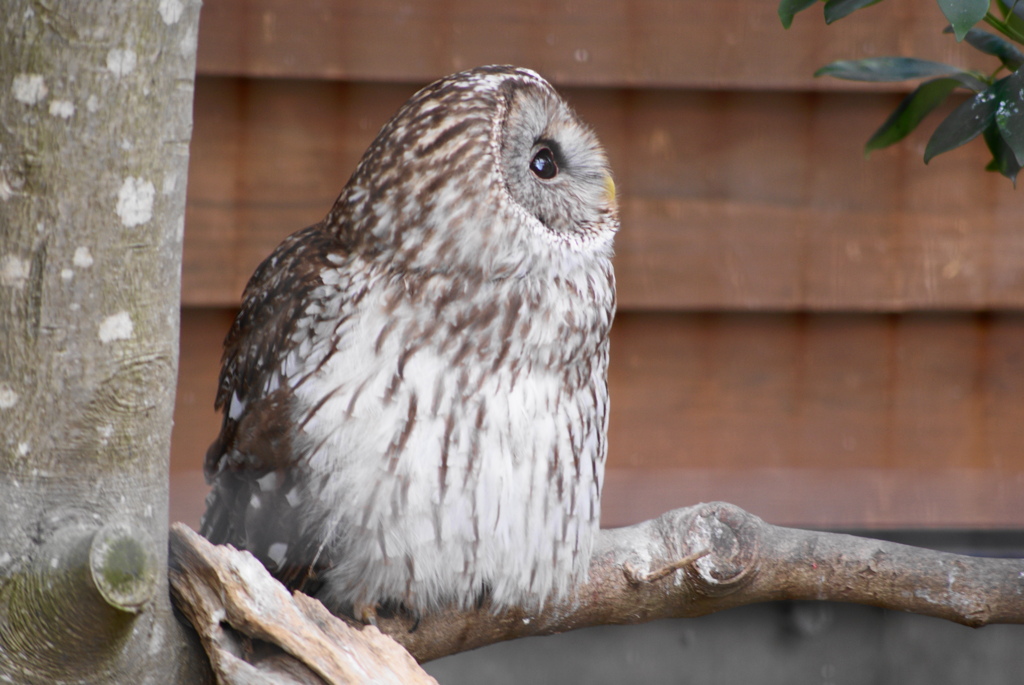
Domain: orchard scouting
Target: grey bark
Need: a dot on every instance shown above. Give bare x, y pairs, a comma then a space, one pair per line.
685, 563
95, 121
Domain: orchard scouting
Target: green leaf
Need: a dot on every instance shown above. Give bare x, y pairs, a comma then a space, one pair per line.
789, 8
1013, 13
1012, 23
837, 9
963, 124
914, 108
963, 14
1003, 159
886, 69
991, 44
1010, 112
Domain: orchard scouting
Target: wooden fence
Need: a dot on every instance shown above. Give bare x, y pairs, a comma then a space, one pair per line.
823, 339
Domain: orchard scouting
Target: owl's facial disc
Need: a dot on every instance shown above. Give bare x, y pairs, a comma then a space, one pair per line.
554, 168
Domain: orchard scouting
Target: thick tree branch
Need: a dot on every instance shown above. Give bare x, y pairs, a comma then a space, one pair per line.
733, 558
747, 561
254, 631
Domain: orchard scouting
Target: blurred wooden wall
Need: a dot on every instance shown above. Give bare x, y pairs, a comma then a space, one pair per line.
823, 339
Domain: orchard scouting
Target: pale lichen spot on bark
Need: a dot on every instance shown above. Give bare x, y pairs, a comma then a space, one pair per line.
170, 11
62, 108
135, 201
23, 449
82, 258
14, 271
187, 46
121, 62
116, 327
6, 191
29, 88
67, 274
170, 183
92, 104
8, 396
105, 432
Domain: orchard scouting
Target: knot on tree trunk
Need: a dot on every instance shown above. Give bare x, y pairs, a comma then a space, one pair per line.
88, 584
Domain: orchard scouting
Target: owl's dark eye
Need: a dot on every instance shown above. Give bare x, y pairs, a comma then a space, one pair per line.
543, 164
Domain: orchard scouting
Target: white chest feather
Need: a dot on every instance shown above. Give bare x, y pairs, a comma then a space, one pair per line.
455, 448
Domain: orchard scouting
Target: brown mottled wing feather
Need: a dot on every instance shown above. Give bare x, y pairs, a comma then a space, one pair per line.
250, 463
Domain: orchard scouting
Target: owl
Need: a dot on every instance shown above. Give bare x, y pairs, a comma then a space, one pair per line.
414, 392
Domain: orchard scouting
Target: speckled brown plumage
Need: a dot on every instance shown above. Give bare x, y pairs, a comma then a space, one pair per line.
414, 391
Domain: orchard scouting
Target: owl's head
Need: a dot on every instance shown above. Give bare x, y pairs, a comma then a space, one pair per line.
488, 168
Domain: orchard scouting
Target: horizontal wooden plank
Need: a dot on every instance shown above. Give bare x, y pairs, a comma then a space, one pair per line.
872, 499
814, 420
729, 200
868, 499
745, 391
647, 43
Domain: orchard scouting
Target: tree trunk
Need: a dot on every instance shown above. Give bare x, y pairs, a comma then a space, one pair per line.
95, 121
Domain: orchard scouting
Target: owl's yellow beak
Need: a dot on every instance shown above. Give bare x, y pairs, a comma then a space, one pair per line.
609, 188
